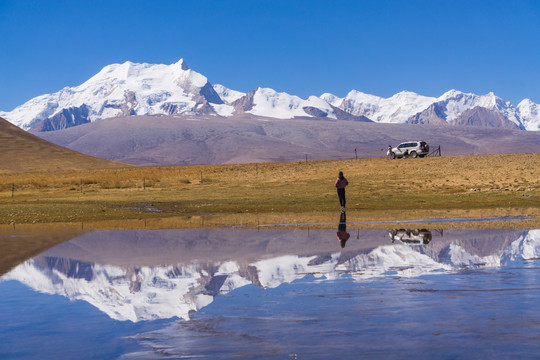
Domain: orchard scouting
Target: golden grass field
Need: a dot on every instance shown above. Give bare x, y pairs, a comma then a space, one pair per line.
380, 189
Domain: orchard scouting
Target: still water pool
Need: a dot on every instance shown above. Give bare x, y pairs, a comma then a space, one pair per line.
277, 294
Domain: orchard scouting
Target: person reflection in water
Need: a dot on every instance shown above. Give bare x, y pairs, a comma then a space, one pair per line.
342, 234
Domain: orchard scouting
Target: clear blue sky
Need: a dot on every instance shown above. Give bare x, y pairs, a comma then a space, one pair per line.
304, 48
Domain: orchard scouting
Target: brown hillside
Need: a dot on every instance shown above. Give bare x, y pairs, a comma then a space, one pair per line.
21, 151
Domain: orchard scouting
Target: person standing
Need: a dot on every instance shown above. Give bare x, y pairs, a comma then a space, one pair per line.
340, 184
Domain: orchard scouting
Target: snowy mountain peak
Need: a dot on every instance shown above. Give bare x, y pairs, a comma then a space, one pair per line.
121, 90
226, 94
395, 109
405, 93
452, 94
182, 64
529, 113
355, 94
453, 104
526, 102
280, 105
331, 99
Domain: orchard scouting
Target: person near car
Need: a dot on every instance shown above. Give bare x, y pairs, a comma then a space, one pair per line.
340, 184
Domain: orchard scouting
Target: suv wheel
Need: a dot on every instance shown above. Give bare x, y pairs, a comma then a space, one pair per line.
392, 155
413, 154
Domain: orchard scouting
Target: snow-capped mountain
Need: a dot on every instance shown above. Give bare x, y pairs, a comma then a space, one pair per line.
280, 105
456, 102
458, 108
226, 94
120, 90
157, 89
453, 107
153, 292
396, 109
270, 103
529, 113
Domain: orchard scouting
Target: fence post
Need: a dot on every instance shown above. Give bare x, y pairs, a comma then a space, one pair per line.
81, 186
12, 189
144, 183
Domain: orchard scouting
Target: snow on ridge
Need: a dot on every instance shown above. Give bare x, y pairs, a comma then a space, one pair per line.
401, 106
226, 94
395, 109
280, 105
529, 113
456, 102
223, 109
331, 99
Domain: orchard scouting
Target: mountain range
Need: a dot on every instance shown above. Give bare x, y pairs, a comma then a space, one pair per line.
129, 89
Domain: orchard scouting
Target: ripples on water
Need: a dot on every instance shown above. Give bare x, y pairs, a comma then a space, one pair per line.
245, 293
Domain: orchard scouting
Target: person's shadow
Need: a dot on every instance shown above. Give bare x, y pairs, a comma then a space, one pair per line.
342, 234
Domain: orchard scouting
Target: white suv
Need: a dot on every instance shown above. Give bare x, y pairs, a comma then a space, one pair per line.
410, 148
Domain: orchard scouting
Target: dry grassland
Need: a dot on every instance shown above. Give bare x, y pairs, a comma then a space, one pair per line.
380, 189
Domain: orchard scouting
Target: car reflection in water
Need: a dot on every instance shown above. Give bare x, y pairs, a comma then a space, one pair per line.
411, 236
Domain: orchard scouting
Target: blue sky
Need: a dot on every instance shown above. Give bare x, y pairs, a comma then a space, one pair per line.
304, 48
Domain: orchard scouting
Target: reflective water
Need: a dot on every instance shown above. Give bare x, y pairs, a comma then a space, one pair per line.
270, 293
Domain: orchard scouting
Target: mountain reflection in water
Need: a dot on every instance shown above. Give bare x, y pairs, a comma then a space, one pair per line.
156, 274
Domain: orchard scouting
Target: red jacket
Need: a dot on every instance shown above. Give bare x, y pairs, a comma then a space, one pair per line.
340, 184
